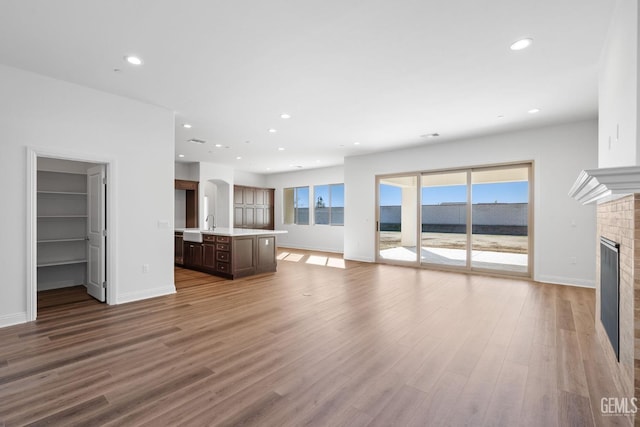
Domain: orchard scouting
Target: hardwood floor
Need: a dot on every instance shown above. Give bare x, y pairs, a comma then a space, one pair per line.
350, 344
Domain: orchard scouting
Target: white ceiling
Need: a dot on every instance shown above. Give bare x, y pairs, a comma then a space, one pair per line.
377, 72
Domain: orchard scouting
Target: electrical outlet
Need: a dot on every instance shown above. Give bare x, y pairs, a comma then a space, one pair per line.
145, 268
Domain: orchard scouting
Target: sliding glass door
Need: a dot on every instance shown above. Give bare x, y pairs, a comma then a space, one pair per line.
444, 218
398, 219
500, 232
467, 219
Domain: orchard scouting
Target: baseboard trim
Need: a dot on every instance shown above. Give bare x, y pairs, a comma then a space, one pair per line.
13, 319
567, 281
146, 294
309, 248
369, 260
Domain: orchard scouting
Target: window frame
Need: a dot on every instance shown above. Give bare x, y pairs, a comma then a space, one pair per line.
291, 213
329, 204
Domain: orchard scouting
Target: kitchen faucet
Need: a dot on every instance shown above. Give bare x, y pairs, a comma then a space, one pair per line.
212, 223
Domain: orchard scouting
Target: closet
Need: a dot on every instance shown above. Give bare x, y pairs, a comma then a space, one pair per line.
62, 229
63, 223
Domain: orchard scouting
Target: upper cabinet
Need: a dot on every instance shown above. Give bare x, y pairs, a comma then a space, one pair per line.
253, 207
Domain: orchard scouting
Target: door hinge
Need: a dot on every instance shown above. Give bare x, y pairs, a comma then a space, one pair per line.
104, 233
104, 284
104, 180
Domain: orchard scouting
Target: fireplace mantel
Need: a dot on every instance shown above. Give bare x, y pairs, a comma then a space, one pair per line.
604, 184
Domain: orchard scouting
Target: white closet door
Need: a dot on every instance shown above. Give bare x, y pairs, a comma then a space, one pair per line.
96, 233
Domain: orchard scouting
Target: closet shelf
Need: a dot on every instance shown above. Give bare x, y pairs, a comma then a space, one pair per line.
68, 193
66, 262
75, 239
62, 216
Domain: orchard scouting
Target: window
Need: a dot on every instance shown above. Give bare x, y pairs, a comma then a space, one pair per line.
328, 206
296, 205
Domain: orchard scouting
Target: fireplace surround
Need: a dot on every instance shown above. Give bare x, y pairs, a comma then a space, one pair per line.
617, 193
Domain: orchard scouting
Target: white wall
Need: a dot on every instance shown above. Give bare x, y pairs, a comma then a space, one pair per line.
559, 152
58, 117
180, 209
223, 177
187, 171
315, 237
250, 179
619, 91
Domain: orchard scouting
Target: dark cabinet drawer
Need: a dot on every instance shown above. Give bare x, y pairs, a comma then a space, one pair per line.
208, 238
222, 256
223, 239
222, 247
223, 267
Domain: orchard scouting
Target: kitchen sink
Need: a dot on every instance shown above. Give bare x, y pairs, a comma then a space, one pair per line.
192, 236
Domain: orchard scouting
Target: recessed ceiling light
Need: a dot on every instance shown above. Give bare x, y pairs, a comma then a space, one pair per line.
133, 60
280, 148
247, 142
501, 117
186, 125
430, 135
238, 158
181, 155
268, 169
197, 141
534, 110
272, 130
218, 145
521, 44
285, 116
356, 143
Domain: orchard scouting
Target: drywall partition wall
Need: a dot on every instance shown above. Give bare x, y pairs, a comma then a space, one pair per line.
619, 92
187, 171
223, 177
180, 209
328, 238
68, 120
250, 179
563, 229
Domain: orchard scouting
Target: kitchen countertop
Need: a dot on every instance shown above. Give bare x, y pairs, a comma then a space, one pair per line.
233, 232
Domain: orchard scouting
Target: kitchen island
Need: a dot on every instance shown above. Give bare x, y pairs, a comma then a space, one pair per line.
227, 252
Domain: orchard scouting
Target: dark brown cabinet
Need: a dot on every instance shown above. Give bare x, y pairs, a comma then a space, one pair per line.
223, 255
265, 254
178, 248
253, 207
193, 254
230, 257
209, 256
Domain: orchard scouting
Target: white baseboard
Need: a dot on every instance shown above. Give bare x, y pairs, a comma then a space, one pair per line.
567, 281
13, 319
145, 294
360, 259
309, 248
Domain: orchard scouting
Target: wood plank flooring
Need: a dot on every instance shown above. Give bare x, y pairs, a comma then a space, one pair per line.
322, 342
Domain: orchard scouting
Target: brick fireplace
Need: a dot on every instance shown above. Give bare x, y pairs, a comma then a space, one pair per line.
617, 194
617, 220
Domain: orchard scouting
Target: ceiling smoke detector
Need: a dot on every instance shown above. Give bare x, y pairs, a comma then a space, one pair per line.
197, 141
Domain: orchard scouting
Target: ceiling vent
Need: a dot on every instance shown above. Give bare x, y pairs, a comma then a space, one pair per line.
197, 141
